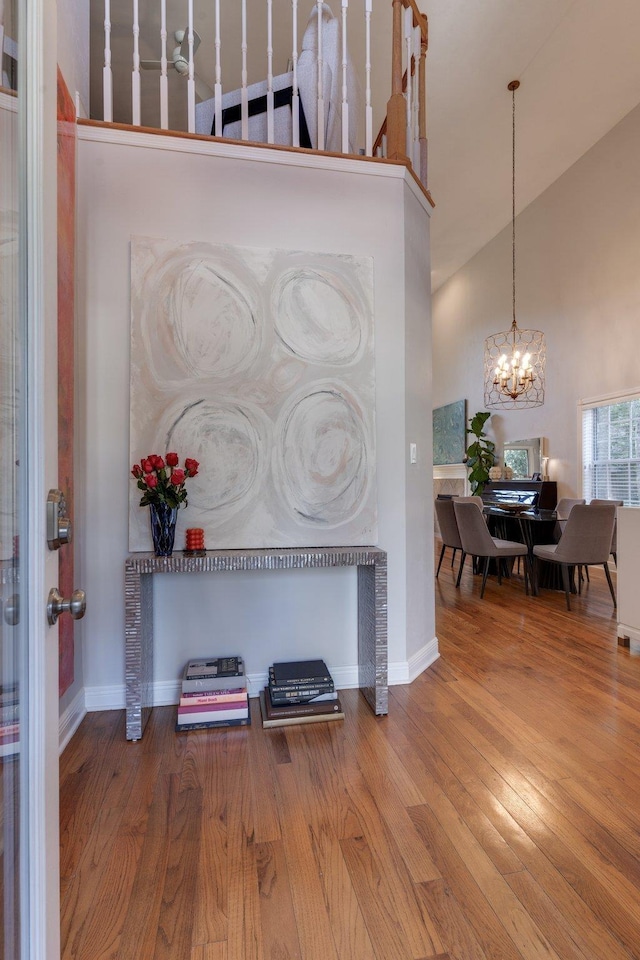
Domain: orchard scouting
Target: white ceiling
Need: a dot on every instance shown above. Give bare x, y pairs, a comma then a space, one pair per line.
579, 66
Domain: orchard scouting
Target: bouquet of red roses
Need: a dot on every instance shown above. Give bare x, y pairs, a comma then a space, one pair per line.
162, 480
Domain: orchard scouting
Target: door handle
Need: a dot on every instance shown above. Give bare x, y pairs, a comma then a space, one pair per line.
75, 606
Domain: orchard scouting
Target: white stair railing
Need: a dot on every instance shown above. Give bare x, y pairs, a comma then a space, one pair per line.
295, 93
135, 74
244, 95
217, 89
368, 109
164, 79
270, 100
320, 69
107, 77
319, 87
191, 82
345, 94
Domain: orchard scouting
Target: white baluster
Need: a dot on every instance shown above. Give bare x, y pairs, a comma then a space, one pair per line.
408, 40
164, 82
107, 76
191, 82
270, 104
135, 76
345, 95
368, 109
295, 97
244, 97
217, 89
320, 144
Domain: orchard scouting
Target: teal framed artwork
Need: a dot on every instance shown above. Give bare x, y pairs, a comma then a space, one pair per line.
450, 433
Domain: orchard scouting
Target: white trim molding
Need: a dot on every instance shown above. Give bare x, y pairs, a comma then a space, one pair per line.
232, 149
167, 692
70, 720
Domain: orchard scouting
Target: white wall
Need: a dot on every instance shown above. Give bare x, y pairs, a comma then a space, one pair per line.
73, 49
138, 184
577, 280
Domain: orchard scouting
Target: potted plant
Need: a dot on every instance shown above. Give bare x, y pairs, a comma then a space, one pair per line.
481, 453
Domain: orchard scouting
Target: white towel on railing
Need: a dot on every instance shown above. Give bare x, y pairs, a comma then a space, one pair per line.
308, 90
332, 81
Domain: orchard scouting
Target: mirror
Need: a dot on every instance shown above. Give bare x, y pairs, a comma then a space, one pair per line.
525, 457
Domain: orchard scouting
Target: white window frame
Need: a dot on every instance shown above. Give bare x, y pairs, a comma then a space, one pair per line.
603, 401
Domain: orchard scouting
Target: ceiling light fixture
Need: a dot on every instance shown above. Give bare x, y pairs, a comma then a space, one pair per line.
514, 360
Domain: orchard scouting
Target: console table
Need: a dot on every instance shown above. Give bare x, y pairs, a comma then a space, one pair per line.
140, 568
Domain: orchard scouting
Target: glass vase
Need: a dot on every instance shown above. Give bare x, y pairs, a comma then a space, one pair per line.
163, 528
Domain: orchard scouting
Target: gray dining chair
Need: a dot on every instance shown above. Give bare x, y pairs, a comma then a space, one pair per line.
586, 539
565, 505
472, 499
614, 538
448, 532
478, 542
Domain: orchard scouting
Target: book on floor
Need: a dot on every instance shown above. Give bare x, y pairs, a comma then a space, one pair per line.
299, 692
301, 671
213, 724
303, 695
213, 674
229, 696
202, 713
292, 716
214, 667
302, 709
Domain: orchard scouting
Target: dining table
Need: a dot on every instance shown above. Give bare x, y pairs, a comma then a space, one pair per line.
530, 526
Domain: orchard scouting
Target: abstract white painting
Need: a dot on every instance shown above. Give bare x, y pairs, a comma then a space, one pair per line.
260, 365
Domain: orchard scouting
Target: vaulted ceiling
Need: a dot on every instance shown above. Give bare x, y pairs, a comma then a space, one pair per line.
579, 66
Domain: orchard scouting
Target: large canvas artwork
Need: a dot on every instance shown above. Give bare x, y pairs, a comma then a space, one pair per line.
260, 365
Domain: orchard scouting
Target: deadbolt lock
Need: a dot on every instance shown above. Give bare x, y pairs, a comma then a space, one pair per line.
59, 529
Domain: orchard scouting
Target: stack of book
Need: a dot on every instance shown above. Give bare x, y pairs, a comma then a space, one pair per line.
214, 694
9, 722
301, 691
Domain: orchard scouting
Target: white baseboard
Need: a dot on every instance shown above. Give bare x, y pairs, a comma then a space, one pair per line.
419, 662
166, 692
112, 697
71, 719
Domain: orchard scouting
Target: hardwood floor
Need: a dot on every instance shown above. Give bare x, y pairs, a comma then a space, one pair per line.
495, 813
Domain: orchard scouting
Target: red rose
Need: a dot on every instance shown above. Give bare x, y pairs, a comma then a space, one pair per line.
178, 477
137, 471
172, 459
191, 466
151, 480
158, 463
147, 465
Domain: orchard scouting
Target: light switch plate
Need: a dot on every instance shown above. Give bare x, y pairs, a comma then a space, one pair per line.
413, 453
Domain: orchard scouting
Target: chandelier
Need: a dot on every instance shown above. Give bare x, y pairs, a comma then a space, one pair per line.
514, 360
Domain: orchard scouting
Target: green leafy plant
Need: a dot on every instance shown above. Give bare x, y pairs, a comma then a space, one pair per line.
481, 453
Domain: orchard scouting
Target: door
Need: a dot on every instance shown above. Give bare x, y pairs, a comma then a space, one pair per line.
28, 468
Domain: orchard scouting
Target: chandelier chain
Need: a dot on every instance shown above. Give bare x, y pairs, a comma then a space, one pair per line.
513, 200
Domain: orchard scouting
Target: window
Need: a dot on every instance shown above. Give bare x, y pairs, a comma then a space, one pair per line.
518, 460
611, 449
